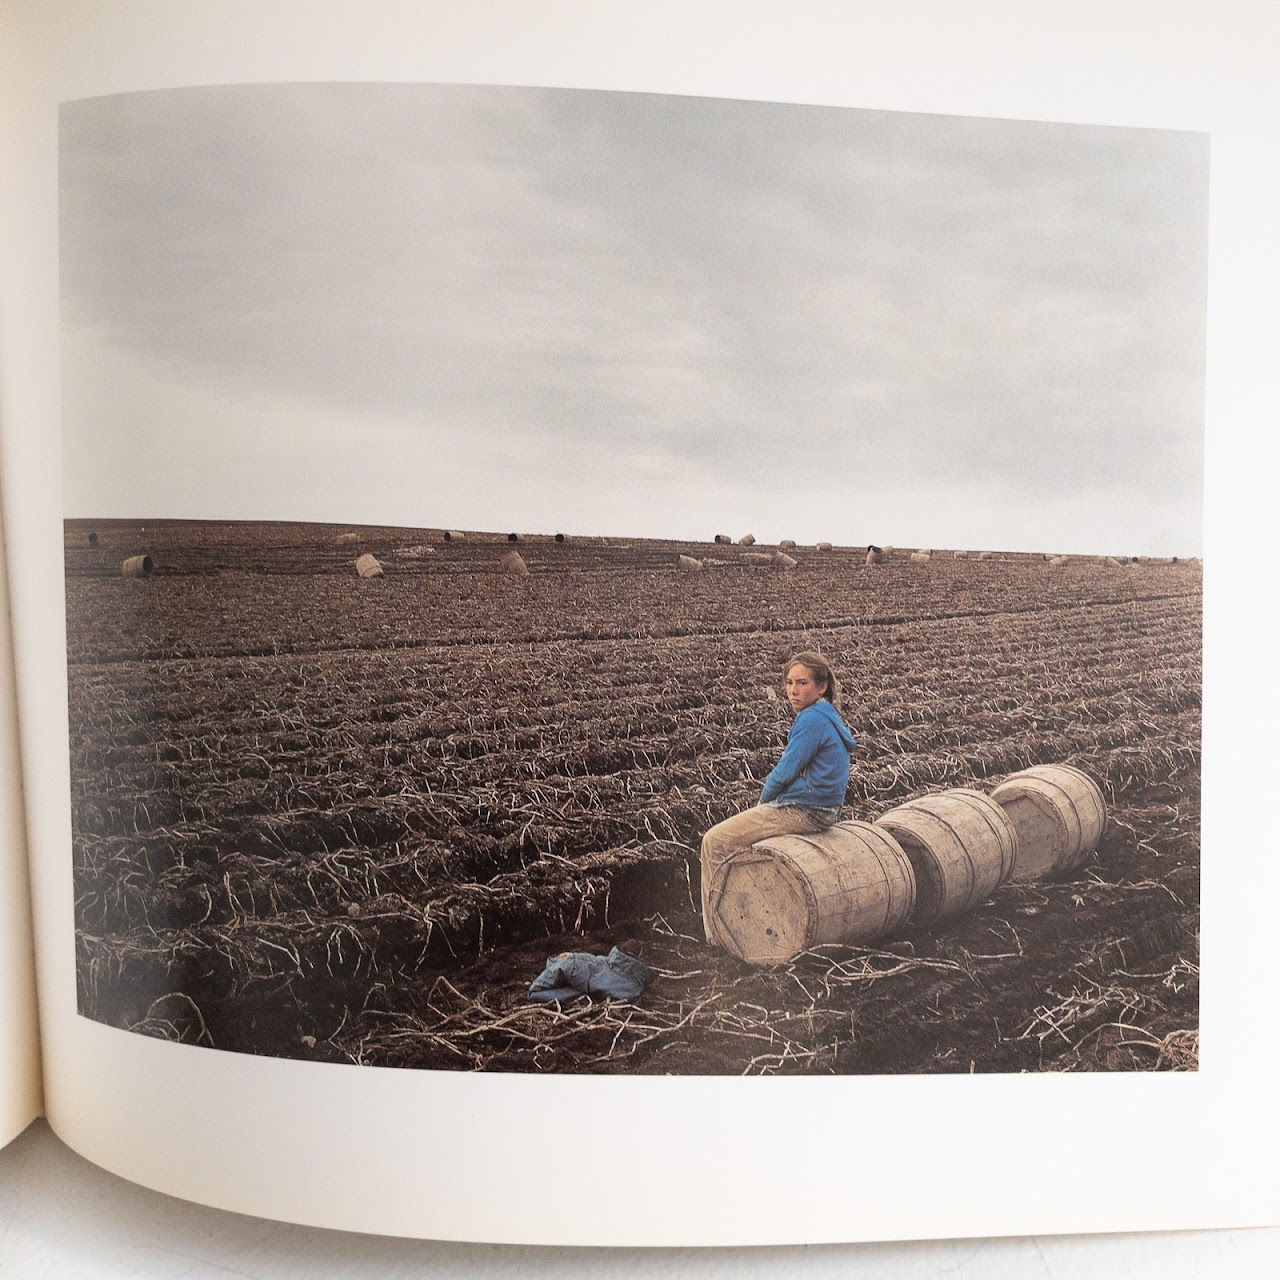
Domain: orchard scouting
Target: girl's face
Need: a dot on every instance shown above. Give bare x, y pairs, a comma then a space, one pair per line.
803, 689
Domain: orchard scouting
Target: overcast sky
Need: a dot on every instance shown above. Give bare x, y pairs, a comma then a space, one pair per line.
631, 314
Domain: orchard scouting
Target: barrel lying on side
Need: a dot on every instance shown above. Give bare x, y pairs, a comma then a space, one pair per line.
851, 883
138, 567
1059, 815
961, 847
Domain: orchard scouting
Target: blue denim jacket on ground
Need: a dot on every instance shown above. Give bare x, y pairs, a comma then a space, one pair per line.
576, 974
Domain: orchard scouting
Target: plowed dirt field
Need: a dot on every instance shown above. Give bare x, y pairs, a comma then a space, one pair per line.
325, 817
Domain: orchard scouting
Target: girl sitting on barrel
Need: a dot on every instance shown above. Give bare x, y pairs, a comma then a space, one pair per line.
806, 788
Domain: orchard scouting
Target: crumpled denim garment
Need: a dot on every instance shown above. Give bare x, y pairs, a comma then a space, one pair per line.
575, 975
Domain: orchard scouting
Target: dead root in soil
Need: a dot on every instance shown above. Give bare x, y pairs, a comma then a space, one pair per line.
700, 1001
1098, 1027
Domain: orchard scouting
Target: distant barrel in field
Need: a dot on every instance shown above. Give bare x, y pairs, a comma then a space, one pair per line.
452, 535
921, 557
513, 537
367, 566
783, 561
1059, 561
92, 538
687, 564
559, 537
984, 555
722, 537
824, 546
876, 555
513, 563
138, 567
851, 883
787, 544
747, 540
961, 846
961, 555
344, 538
1059, 815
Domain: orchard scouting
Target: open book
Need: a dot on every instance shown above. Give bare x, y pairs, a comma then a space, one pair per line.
426, 437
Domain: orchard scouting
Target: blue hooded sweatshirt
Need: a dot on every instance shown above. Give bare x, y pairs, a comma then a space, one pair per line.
814, 769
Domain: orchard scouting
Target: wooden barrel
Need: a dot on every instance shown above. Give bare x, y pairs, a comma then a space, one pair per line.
687, 564
1059, 815
138, 567
851, 883
961, 847
367, 566
783, 561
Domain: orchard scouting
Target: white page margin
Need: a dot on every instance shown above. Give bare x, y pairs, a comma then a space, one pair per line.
682, 1161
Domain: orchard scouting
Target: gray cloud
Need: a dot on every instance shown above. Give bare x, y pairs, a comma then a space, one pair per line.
686, 289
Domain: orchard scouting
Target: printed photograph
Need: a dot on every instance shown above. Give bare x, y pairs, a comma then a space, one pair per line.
570, 581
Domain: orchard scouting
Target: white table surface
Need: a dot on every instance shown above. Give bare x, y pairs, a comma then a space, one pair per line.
61, 1216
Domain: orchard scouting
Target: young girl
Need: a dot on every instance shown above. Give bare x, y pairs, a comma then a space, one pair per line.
804, 792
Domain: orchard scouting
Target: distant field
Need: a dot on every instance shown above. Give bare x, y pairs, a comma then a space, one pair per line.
326, 817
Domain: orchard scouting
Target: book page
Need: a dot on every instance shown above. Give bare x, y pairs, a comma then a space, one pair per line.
20, 1100
310, 1122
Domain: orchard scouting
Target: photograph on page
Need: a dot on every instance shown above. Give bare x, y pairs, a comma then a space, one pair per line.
566, 581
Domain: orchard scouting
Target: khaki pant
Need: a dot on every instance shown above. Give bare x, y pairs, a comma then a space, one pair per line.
740, 831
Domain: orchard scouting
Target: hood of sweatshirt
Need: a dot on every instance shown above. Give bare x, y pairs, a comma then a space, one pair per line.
824, 708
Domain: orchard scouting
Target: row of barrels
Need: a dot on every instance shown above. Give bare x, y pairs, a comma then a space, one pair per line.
930, 859
367, 566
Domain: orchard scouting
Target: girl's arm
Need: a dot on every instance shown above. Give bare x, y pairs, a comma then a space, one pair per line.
802, 745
